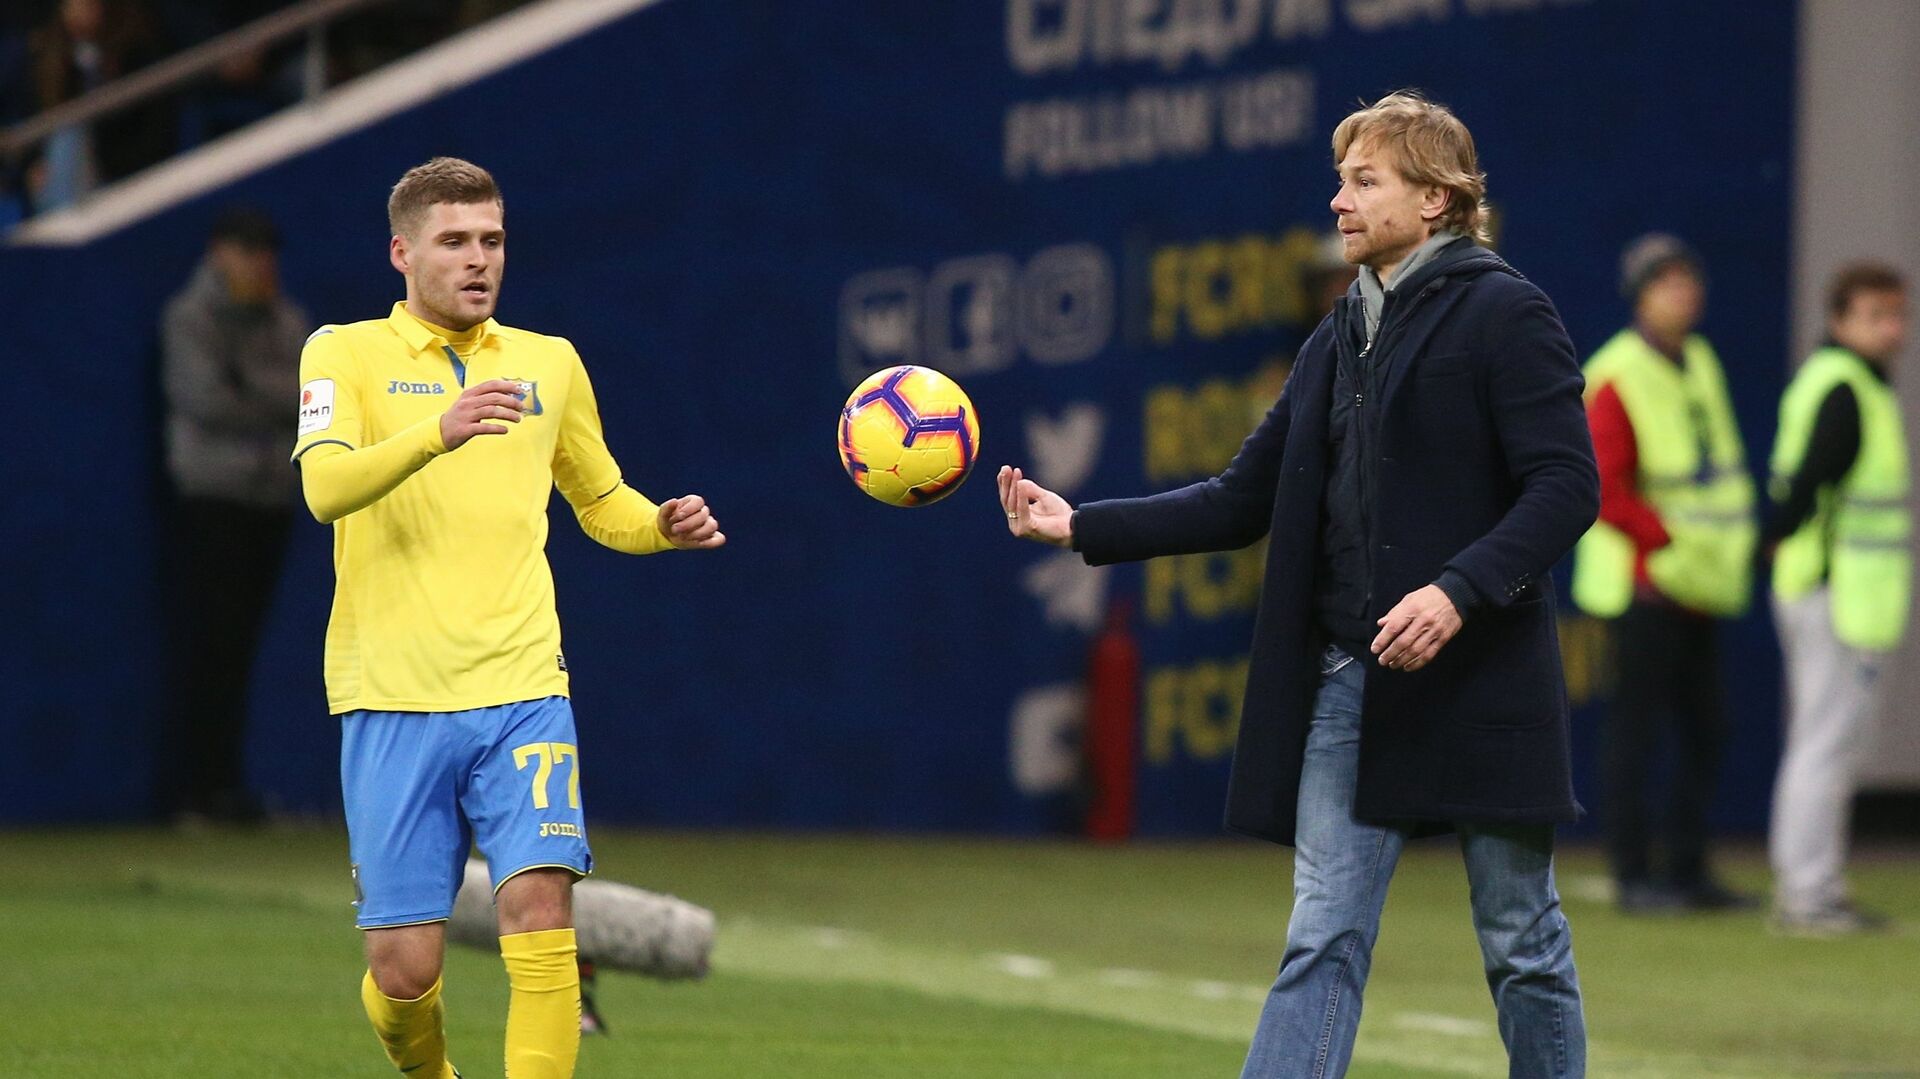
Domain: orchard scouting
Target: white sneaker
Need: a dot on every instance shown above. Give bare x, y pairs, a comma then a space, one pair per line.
1840, 920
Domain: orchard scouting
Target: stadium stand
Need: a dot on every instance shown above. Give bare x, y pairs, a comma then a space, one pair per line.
206, 69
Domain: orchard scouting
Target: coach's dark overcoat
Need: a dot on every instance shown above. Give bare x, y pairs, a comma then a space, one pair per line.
1483, 464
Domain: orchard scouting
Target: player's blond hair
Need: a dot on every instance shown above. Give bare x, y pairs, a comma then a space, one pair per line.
443, 179
1429, 145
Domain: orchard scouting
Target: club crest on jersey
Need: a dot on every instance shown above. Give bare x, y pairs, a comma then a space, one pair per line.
530, 392
428, 388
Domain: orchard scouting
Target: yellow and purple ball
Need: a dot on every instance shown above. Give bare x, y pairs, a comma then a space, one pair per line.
908, 436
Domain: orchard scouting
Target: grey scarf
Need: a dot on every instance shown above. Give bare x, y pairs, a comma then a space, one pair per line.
1373, 294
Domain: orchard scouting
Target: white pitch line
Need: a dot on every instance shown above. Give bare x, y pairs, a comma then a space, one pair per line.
1022, 966
829, 937
1210, 990
1450, 1025
1588, 888
1127, 978
1033, 967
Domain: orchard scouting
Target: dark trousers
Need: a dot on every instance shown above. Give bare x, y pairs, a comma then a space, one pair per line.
224, 565
1666, 694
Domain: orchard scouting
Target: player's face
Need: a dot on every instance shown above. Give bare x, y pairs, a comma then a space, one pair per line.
453, 263
1381, 215
1873, 325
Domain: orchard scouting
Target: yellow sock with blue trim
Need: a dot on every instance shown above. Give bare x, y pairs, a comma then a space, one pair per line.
413, 1031
543, 1011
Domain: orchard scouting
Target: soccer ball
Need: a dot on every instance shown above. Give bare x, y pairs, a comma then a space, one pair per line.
908, 436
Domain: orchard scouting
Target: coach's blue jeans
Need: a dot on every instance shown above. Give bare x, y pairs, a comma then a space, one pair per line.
1341, 870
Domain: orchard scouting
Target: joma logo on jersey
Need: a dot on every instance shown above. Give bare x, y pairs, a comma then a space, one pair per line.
430, 388
558, 829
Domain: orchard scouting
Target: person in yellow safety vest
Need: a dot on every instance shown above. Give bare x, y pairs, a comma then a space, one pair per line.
1841, 570
1670, 555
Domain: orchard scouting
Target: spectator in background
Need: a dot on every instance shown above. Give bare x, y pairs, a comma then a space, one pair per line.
378, 36
246, 86
1671, 554
82, 46
231, 371
190, 22
1841, 578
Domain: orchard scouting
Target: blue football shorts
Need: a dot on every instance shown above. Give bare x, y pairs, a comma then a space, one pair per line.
422, 787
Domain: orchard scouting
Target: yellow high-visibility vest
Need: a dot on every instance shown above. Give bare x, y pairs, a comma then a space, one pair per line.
1858, 537
1692, 471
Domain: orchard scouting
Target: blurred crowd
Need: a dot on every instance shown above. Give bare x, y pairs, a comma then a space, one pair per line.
53, 51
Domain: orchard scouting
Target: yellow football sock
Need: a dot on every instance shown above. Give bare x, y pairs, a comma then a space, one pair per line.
413, 1031
543, 1012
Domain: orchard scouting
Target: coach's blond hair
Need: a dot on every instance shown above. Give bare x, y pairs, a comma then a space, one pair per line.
1430, 146
443, 179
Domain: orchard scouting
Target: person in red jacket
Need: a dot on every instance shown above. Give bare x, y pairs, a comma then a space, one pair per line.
1667, 684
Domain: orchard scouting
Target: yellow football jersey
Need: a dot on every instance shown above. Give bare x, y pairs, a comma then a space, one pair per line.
443, 599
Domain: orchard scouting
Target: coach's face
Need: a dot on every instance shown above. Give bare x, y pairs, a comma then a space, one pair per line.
453, 263
1382, 216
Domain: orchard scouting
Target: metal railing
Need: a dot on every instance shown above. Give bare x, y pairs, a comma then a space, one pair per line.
310, 17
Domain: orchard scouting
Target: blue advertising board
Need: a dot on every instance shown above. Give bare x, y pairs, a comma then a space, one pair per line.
1100, 216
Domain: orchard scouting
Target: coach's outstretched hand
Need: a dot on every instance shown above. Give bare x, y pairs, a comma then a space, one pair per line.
1033, 512
689, 525
495, 399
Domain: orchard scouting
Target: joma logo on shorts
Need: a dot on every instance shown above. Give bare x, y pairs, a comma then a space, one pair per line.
397, 386
559, 829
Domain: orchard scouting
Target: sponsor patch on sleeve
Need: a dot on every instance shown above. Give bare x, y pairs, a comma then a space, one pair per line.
316, 406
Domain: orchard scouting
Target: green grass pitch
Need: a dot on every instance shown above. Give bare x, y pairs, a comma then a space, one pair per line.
138, 954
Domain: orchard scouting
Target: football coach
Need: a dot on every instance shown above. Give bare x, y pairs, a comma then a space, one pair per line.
1427, 463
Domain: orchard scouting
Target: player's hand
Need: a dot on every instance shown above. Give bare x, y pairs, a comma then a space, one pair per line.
1416, 629
495, 399
1033, 512
689, 525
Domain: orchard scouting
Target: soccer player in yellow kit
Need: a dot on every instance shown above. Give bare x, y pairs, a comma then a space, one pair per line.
432, 440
